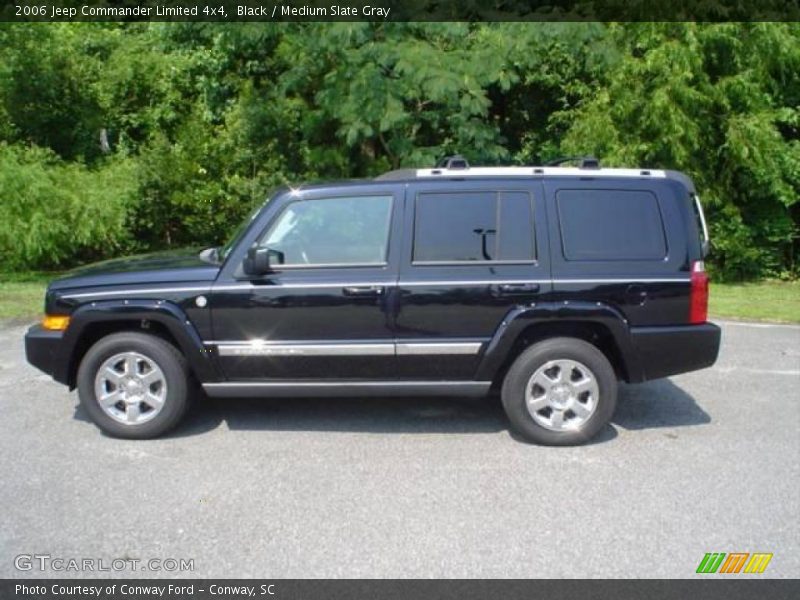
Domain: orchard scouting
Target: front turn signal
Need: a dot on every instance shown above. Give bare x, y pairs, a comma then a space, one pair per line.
55, 322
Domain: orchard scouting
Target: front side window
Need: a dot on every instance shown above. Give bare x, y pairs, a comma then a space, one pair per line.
473, 227
331, 231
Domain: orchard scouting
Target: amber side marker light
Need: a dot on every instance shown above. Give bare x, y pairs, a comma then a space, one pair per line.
55, 322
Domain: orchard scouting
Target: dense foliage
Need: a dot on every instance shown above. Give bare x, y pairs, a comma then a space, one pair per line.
118, 138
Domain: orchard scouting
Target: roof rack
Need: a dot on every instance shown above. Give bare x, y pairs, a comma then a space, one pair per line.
584, 162
453, 162
478, 172
456, 166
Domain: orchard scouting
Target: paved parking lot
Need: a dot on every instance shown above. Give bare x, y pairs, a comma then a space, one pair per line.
705, 462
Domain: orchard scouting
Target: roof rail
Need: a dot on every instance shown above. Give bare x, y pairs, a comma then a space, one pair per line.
461, 172
453, 162
584, 162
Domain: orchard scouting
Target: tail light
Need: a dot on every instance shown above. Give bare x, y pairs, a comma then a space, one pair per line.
698, 297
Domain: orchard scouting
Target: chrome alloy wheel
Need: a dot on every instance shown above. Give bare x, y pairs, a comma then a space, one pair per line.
130, 388
562, 395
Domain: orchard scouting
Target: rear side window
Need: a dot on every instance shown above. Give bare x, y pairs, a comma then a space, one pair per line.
473, 227
610, 225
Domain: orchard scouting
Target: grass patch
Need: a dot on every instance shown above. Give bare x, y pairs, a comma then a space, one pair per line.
758, 301
22, 295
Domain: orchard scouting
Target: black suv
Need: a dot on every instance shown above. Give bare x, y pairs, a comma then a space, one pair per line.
548, 284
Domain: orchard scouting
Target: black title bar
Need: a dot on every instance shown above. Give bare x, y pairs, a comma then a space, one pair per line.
400, 10
397, 589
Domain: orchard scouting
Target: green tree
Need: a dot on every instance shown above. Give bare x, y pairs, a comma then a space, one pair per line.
45, 88
719, 102
188, 125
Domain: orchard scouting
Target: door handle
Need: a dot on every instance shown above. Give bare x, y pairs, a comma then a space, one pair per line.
363, 291
511, 289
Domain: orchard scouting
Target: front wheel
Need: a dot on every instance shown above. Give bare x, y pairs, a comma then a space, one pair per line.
560, 392
133, 385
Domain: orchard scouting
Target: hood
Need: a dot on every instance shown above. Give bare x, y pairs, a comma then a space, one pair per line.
174, 266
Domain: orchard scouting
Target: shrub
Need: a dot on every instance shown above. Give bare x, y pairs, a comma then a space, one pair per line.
54, 214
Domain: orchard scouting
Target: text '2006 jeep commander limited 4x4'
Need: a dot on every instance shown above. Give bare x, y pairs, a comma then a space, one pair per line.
548, 284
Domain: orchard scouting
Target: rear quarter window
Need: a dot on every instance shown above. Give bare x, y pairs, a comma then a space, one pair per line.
610, 225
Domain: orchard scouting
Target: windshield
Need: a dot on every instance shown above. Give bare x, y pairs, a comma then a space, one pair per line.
240, 229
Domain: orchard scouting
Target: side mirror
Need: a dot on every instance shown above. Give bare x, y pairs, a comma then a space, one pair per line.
259, 260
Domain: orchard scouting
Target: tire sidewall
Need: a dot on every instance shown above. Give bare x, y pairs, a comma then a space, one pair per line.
516, 381
163, 354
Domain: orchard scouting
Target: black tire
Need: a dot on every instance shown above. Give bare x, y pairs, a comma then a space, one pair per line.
168, 358
527, 364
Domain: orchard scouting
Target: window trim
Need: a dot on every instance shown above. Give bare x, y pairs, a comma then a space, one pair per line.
359, 265
476, 263
650, 192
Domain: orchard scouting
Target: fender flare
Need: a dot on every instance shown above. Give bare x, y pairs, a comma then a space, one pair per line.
168, 314
548, 313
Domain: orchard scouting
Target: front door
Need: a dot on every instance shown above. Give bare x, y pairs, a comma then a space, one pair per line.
322, 311
473, 251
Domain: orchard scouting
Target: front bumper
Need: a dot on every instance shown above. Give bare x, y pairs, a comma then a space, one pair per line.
42, 348
665, 351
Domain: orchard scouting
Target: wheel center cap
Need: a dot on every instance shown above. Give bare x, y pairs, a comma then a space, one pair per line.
132, 387
560, 395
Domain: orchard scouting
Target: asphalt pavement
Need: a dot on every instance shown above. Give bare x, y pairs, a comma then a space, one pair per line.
412, 487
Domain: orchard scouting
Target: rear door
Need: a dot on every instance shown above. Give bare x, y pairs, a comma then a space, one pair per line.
472, 251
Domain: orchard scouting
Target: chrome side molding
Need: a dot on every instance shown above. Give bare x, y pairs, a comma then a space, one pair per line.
428, 348
360, 348
267, 349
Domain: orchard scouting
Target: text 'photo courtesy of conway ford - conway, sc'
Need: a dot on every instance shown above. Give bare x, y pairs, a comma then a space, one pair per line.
547, 285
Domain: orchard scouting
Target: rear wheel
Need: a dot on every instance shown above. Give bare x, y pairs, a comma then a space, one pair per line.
560, 392
133, 385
